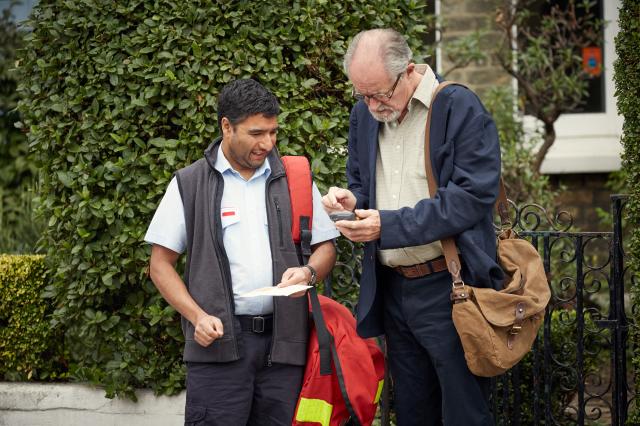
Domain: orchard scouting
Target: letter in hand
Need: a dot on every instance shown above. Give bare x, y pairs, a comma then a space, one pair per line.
295, 276
208, 329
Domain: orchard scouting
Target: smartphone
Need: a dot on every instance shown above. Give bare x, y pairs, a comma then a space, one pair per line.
343, 215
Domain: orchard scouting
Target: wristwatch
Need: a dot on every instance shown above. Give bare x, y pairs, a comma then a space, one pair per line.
314, 275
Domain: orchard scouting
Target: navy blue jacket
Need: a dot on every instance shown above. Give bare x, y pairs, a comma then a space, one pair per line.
465, 157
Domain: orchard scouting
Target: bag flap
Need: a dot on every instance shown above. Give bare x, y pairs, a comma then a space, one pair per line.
500, 308
526, 283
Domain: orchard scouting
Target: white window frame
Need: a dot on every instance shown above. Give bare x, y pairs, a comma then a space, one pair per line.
589, 142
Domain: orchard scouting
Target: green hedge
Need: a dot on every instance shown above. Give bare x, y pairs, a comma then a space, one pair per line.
627, 79
29, 347
119, 95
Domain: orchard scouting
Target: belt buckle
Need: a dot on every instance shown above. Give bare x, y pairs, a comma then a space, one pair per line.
257, 324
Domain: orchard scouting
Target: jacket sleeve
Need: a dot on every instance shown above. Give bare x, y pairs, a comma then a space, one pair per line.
470, 157
354, 180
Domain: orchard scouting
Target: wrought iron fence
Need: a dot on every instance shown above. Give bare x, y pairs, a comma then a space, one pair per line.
576, 373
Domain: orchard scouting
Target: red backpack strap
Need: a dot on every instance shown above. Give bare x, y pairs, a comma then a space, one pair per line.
328, 351
300, 181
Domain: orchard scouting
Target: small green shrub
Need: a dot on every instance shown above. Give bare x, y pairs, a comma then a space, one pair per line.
30, 349
518, 152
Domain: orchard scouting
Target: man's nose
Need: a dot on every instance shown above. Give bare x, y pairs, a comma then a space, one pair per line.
268, 142
374, 103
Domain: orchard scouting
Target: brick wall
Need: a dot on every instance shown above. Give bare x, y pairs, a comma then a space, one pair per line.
583, 194
462, 17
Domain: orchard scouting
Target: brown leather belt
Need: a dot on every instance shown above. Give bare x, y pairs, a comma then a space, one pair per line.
422, 269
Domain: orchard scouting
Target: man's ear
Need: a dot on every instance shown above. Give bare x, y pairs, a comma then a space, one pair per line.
226, 126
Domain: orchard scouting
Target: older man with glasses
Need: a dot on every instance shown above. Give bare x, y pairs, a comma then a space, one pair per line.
405, 285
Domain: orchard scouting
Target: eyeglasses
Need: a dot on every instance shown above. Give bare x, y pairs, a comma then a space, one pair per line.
378, 96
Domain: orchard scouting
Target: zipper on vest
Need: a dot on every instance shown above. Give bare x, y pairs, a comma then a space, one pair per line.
274, 332
279, 214
223, 260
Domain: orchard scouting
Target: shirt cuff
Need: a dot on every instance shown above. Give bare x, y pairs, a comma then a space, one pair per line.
159, 240
325, 235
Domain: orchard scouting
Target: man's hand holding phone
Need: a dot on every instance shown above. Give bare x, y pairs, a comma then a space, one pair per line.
365, 228
358, 225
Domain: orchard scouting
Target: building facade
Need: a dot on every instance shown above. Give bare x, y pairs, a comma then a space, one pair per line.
587, 147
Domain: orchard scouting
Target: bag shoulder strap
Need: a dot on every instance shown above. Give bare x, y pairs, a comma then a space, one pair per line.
299, 181
502, 205
328, 351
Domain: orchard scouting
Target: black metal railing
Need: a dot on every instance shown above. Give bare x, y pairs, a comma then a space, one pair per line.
576, 373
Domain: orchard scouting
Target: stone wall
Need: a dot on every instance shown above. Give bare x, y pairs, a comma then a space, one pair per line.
30, 404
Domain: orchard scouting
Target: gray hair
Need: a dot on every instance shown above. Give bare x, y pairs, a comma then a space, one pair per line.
394, 49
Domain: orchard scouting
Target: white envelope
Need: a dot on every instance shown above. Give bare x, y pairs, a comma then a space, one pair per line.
275, 291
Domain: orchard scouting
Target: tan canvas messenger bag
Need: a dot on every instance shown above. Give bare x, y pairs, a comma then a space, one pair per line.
497, 328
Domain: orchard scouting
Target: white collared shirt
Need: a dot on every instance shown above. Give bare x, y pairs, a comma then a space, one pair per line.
244, 224
401, 179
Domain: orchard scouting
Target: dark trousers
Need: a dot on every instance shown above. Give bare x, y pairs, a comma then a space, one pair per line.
431, 381
243, 392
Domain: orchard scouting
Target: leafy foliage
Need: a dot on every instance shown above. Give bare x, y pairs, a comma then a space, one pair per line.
19, 231
518, 152
29, 347
627, 79
117, 96
463, 50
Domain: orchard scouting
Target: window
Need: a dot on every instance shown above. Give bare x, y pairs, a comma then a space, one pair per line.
592, 56
588, 140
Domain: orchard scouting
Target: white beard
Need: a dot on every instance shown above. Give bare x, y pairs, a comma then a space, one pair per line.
385, 114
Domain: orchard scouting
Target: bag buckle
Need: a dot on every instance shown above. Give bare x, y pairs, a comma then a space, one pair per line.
257, 324
517, 325
458, 292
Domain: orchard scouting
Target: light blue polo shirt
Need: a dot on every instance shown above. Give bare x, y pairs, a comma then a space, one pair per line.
244, 223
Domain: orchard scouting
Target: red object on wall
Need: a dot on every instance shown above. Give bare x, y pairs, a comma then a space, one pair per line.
592, 60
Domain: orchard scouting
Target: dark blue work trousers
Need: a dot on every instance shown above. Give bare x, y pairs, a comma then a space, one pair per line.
243, 392
432, 384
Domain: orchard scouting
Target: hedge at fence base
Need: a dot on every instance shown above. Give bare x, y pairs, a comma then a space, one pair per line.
30, 348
